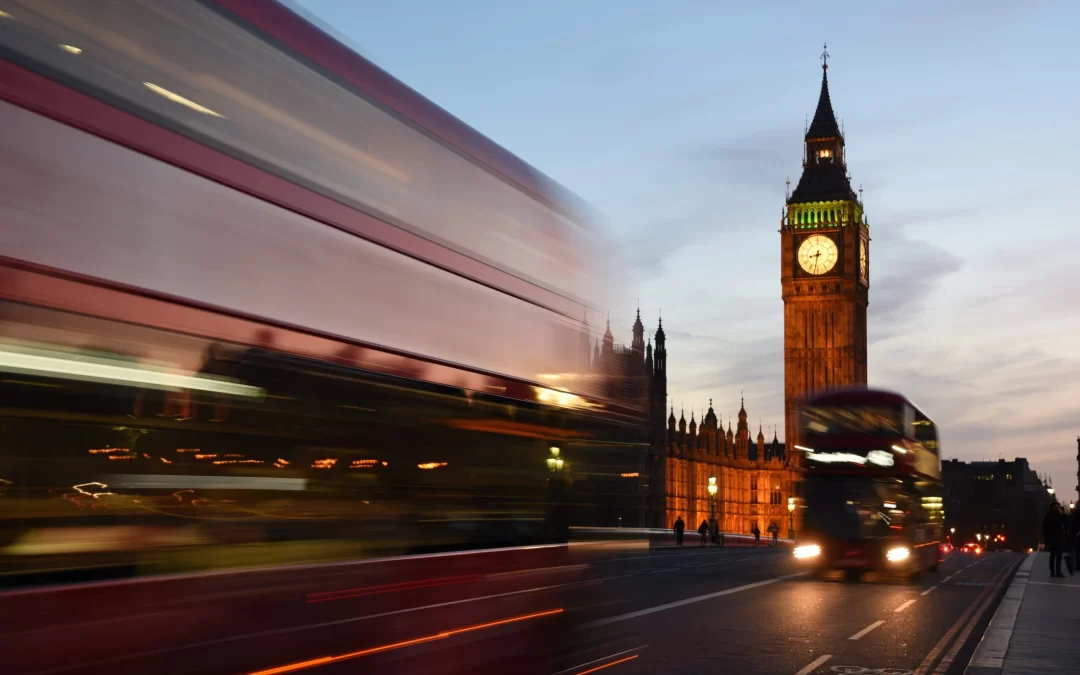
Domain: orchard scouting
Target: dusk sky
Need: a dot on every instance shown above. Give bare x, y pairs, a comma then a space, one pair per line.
679, 123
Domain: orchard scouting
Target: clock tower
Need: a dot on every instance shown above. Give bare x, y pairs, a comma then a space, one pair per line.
825, 270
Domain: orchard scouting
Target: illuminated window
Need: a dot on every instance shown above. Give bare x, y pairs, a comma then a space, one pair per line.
824, 154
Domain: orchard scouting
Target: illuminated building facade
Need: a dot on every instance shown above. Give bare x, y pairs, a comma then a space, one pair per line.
755, 478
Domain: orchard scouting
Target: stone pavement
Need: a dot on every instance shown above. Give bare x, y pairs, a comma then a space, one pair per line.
1036, 629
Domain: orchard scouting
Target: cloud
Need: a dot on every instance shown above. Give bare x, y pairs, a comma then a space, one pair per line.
647, 251
754, 160
897, 297
699, 372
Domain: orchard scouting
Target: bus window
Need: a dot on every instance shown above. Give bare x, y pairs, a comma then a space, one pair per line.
875, 420
926, 433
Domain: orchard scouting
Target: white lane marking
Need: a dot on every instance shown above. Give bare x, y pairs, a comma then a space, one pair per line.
688, 601
866, 630
814, 665
904, 606
537, 570
593, 581
602, 658
947, 579
1049, 583
929, 590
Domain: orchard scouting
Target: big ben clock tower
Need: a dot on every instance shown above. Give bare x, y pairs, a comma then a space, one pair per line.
825, 270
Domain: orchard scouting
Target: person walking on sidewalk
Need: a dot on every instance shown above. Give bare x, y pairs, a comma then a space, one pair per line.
703, 530
757, 535
1072, 544
679, 528
774, 530
1053, 533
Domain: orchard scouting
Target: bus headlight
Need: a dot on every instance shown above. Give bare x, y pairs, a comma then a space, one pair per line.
897, 554
807, 551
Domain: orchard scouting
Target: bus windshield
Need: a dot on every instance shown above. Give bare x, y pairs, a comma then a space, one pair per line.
852, 508
862, 420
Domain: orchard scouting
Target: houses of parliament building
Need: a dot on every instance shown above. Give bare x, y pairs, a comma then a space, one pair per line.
754, 476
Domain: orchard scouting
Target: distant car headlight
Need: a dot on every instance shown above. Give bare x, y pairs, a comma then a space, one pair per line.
897, 554
807, 551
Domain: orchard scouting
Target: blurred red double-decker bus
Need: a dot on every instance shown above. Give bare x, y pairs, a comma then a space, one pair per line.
872, 495
261, 302
263, 306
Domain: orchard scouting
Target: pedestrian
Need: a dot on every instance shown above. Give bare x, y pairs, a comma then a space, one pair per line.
774, 530
679, 528
757, 535
703, 530
1071, 550
1053, 532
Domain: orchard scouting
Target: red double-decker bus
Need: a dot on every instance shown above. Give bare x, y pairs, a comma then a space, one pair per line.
256, 292
263, 306
872, 496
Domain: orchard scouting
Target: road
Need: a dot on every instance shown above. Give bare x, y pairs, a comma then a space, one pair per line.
615, 610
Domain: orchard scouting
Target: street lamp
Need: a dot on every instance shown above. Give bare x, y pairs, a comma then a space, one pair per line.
555, 463
791, 517
712, 503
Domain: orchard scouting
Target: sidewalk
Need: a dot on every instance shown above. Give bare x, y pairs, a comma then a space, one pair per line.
1035, 630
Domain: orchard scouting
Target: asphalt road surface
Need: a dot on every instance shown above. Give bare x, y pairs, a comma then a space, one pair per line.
616, 610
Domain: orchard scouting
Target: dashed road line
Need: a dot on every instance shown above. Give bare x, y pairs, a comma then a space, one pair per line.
929, 590
866, 630
814, 665
688, 601
904, 606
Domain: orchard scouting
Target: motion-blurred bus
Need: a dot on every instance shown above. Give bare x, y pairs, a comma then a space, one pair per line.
260, 302
872, 496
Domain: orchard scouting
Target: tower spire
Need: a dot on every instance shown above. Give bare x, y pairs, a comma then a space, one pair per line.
824, 123
825, 57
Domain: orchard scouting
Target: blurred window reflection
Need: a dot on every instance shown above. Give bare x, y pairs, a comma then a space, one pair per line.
329, 463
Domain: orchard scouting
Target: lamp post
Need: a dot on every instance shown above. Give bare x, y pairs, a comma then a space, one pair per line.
555, 463
712, 508
791, 517
558, 513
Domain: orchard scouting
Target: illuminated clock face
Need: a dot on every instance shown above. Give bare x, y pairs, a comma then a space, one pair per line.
818, 254
863, 262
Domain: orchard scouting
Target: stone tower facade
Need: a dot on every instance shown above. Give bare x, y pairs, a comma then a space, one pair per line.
825, 270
